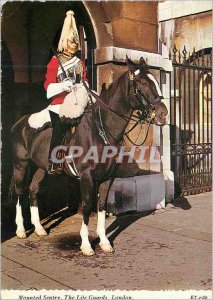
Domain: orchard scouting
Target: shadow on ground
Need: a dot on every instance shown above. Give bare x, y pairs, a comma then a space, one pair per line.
57, 203
182, 203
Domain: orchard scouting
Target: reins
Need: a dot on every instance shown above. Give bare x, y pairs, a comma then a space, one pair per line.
140, 117
90, 92
134, 143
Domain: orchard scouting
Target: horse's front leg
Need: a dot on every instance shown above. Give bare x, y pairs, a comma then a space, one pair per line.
87, 193
101, 231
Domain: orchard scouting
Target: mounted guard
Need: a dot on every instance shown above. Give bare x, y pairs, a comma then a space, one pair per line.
65, 73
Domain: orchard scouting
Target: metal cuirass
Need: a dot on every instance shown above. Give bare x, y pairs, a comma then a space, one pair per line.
73, 69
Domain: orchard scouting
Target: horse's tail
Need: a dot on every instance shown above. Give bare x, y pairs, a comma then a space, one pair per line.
18, 137
11, 189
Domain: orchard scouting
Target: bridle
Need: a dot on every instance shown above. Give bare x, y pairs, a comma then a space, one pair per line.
147, 109
146, 113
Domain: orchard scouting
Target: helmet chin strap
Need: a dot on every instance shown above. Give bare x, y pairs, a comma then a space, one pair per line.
68, 55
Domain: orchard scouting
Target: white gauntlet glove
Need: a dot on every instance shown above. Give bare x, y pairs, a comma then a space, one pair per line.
58, 88
67, 85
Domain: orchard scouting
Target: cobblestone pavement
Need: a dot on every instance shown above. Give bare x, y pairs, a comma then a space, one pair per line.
167, 249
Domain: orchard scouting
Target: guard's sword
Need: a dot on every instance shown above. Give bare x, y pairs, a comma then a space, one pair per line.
56, 55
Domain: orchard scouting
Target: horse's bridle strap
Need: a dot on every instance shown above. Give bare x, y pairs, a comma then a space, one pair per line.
90, 92
138, 93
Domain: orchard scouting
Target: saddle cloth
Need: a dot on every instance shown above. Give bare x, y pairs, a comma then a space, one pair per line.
73, 107
41, 119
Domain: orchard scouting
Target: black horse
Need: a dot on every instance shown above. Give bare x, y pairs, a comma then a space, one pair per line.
136, 89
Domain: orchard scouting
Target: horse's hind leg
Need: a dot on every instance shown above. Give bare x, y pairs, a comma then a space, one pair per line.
20, 231
18, 175
101, 231
33, 193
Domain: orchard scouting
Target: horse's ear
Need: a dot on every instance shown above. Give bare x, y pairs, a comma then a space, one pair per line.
143, 64
142, 61
131, 65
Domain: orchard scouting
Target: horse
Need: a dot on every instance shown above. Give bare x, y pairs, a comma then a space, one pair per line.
103, 125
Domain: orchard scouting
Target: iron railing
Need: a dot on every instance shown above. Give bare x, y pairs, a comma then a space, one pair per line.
191, 107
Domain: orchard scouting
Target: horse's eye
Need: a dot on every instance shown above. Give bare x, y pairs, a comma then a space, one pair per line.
144, 83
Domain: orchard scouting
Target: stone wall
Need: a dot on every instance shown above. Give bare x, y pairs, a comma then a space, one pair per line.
131, 25
169, 9
191, 26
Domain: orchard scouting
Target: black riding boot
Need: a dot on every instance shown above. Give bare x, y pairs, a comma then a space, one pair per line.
58, 135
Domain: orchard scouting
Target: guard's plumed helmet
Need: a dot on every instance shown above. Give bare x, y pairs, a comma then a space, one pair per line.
69, 32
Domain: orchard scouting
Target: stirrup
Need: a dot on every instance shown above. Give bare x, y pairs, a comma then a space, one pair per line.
54, 168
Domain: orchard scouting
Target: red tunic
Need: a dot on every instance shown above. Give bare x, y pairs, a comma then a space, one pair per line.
51, 77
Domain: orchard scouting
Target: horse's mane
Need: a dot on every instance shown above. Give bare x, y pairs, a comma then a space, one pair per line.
108, 92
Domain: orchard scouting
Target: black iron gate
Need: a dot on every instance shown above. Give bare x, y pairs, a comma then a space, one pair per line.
191, 107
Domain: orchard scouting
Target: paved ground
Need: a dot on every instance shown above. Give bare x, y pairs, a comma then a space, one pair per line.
170, 249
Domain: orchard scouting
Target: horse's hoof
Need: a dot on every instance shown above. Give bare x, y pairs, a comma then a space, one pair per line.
21, 234
106, 247
40, 231
87, 250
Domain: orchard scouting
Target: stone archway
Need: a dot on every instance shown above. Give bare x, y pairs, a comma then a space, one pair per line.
26, 42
